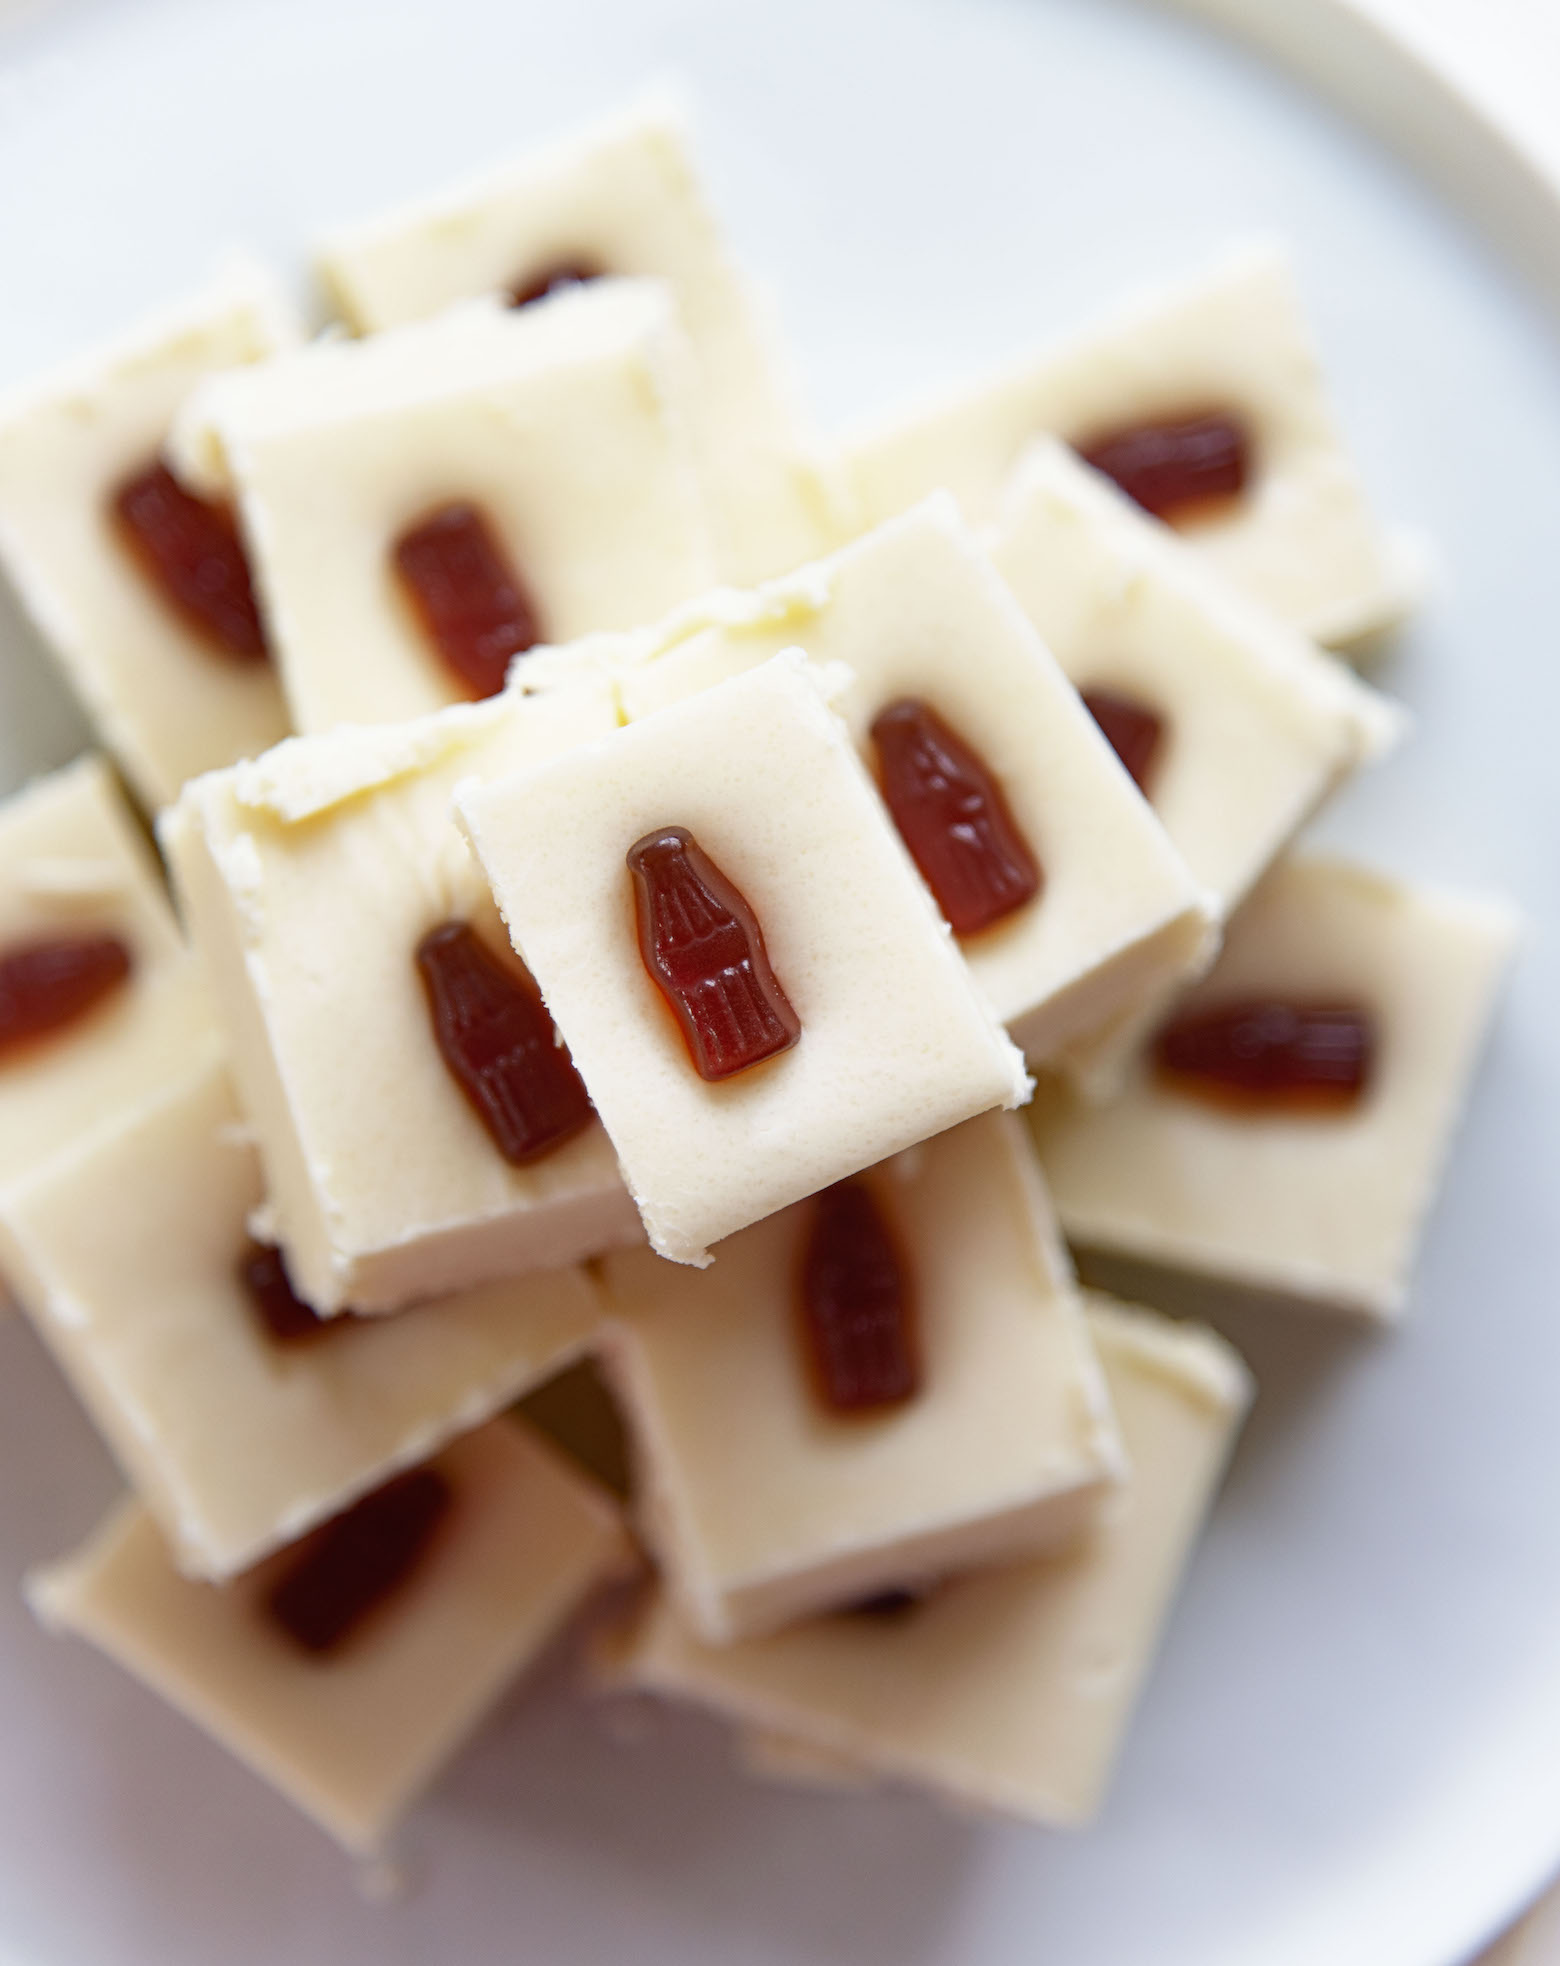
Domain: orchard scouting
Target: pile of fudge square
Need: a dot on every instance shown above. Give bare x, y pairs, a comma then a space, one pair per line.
656, 894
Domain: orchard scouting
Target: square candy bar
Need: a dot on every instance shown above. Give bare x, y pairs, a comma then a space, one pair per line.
562, 425
896, 1043
763, 1504
1256, 727
354, 1736
915, 611
1298, 537
621, 198
309, 879
74, 868
1324, 1205
165, 701
238, 1440
1009, 1689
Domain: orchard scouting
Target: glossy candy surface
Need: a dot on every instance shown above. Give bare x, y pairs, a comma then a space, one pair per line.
46, 985
359, 1559
703, 949
1133, 730
1268, 1055
190, 551
280, 1309
858, 1315
1170, 467
471, 603
953, 817
495, 1036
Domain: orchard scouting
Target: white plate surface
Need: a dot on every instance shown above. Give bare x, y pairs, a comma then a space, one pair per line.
1350, 1751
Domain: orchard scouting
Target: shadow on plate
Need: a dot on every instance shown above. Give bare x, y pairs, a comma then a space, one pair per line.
40, 725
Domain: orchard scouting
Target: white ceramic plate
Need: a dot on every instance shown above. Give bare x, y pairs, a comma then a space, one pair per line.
1350, 1751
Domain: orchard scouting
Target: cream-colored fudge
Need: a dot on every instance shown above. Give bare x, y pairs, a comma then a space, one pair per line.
896, 1041
915, 610
1301, 538
308, 879
562, 423
238, 1442
620, 198
165, 704
73, 861
1320, 1206
1259, 725
1011, 1688
774, 1757
765, 1507
354, 1738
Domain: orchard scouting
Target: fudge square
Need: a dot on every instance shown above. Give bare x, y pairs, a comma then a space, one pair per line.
426, 505
80, 450
797, 955
1236, 727
85, 924
763, 1503
1010, 1688
622, 197
1370, 996
310, 880
917, 614
1208, 403
352, 1731
239, 1431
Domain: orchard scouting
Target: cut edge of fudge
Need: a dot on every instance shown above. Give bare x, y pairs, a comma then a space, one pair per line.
486, 813
813, 1741
1173, 942
67, 610
221, 879
1383, 1294
392, 1657
1382, 594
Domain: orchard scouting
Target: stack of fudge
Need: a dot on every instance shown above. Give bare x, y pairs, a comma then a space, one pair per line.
658, 889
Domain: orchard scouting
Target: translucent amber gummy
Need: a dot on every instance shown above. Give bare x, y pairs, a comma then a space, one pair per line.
46, 985
469, 600
1170, 467
269, 1288
191, 553
1132, 729
554, 279
1270, 1055
857, 1313
891, 1605
952, 816
704, 951
494, 1034
358, 1560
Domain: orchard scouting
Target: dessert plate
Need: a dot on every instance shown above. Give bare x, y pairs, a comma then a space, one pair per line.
1350, 1749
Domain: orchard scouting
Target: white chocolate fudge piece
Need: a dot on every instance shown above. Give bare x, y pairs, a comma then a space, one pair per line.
73, 862
238, 1441
166, 704
1005, 1450
620, 198
915, 610
308, 879
1300, 538
1009, 1689
1259, 726
353, 1738
561, 423
896, 1042
1325, 1206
